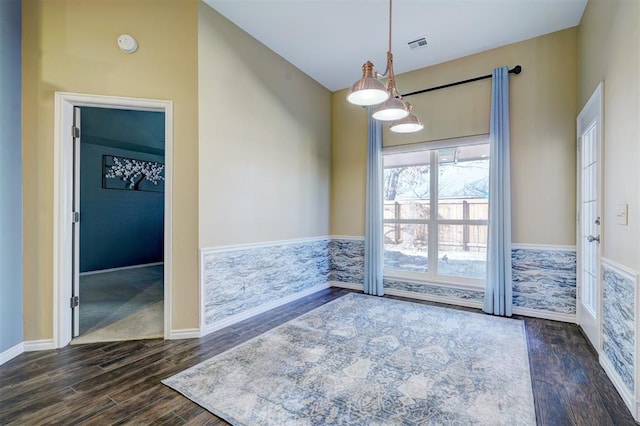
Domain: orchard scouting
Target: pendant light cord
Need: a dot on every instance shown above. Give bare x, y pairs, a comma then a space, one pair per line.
390, 21
391, 79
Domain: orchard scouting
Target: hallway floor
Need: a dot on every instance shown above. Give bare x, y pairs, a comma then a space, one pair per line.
121, 305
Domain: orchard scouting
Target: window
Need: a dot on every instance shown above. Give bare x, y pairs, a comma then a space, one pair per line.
436, 211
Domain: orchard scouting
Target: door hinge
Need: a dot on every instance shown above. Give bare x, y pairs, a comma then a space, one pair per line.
578, 218
75, 217
75, 131
75, 301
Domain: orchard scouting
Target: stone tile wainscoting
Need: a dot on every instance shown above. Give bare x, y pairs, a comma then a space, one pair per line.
346, 257
436, 293
238, 282
619, 323
241, 281
544, 280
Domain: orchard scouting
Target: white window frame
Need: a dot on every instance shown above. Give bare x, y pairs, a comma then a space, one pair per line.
431, 277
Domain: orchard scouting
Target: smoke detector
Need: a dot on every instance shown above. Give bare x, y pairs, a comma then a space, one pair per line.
127, 44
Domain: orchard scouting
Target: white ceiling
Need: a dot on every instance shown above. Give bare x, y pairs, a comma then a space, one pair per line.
329, 40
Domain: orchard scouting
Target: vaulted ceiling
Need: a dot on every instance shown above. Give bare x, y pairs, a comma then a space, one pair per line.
329, 40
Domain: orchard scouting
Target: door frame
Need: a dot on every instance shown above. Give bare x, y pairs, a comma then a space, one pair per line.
592, 111
64, 103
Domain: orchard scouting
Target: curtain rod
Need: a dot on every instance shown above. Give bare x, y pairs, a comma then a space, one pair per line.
516, 70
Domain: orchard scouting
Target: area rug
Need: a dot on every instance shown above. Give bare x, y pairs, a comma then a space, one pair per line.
366, 360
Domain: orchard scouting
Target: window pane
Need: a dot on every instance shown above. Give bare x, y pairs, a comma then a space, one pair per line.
460, 193
406, 183
478, 209
406, 209
462, 250
463, 209
463, 183
405, 247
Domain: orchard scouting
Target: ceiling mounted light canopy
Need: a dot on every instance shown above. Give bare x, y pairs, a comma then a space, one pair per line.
369, 90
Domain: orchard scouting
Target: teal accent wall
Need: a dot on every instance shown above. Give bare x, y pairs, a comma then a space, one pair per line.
11, 325
119, 227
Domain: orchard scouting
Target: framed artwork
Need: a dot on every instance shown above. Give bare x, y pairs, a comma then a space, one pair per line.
131, 174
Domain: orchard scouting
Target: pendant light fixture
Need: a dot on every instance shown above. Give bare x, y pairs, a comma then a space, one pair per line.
409, 124
369, 90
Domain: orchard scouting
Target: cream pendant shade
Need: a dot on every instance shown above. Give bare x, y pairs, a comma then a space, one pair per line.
409, 124
367, 96
368, 90
392, 109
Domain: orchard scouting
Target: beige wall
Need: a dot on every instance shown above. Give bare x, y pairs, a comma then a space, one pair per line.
348, 166
543, 112
71, 46
265, 130
609, 51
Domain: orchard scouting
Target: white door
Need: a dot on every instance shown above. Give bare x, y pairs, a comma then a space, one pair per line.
588, 235
75, 219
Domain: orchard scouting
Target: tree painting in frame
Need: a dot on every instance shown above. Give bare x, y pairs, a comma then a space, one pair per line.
132, 174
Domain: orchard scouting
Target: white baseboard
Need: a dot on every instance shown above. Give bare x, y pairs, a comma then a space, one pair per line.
39, 345
121, 268
185, 333
538, 313
625, 393
350, 286
11, 353
206, 329
434, 298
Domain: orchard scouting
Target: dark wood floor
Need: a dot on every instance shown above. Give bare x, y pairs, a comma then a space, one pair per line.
119, 383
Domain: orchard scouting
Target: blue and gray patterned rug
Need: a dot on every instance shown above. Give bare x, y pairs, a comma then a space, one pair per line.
366, 360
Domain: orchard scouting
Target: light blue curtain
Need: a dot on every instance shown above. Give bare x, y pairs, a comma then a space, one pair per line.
499, 287
373, 250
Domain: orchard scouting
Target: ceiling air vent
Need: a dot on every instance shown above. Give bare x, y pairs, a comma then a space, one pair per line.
417, 44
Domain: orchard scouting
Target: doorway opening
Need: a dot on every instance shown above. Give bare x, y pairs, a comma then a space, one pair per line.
119, 178
112, 217
589, 207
